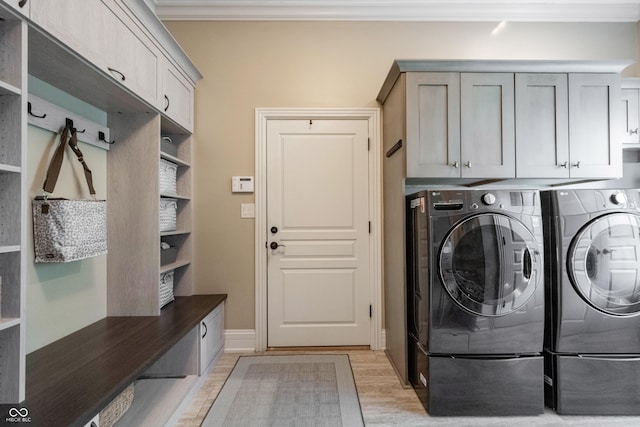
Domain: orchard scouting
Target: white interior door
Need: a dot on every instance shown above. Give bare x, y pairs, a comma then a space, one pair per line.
318, 229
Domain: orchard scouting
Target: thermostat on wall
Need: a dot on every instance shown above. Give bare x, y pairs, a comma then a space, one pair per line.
242, 184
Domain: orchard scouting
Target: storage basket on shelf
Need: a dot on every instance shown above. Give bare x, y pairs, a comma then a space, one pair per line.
168, 175
167, 146
166, 288
116, 409
168, 209
168, 254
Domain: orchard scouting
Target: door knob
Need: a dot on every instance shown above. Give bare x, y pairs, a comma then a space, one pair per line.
563, 165
468, 164
576, 165
275, 245
274, 230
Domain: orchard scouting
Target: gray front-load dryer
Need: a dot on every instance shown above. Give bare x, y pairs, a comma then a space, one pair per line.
476, 301
592, 276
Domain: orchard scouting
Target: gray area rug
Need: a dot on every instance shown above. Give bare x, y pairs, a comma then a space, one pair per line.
301, 390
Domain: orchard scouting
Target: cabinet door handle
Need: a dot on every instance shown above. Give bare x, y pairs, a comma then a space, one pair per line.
633, 131
563, 165
167, 106
113, 70
468, 164
456, 165
205, 329
576, 165
21, 3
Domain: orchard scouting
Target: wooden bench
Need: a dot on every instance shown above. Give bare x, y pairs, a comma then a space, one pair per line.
70, 380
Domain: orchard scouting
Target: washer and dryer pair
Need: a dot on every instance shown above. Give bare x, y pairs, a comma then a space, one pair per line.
484, 287
592, 276
475, 299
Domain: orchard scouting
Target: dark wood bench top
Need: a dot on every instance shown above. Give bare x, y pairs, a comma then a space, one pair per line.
70, 380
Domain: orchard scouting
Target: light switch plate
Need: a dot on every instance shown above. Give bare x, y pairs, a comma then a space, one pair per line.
248, 210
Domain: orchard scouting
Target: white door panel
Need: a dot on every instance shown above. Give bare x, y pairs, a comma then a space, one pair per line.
317, 198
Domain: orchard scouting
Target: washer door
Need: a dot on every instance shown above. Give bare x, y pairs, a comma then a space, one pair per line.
490, 264
604, 263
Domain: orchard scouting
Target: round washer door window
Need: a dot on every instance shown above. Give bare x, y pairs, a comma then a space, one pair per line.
490, 264
604, 264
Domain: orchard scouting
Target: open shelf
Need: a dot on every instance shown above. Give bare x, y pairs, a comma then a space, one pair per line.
155, 400
8, 322
10, 168
174, 159
9, 89
174, 265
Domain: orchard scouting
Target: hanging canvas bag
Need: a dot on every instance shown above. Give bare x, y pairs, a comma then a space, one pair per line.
68, 230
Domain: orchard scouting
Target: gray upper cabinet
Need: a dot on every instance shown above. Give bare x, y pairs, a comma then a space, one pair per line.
460, 125
88, 26
565, 126
501, 125
542, 125
594, 105
433, 124
486, 125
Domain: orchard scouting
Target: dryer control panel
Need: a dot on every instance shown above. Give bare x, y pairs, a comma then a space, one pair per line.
467, 201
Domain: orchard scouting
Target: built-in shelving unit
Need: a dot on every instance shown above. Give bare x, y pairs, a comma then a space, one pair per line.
13, 34
125, 63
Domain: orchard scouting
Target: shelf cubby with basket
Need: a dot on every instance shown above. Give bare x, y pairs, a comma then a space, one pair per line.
13, 83
175, 147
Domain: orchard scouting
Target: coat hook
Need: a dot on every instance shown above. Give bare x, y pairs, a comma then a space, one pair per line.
34, 115
69, 123
102, 137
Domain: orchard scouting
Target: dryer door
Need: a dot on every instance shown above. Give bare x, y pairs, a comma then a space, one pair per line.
604, 263
490, 264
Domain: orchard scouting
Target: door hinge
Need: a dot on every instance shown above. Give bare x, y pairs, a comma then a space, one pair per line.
368, 144
369, 227
370, 311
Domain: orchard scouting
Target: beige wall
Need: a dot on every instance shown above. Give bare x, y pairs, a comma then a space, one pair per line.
321, 64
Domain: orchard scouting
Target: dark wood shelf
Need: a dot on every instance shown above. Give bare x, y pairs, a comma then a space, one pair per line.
72, 379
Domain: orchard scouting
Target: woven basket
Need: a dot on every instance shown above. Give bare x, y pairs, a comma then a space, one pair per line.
166, 288
116, 409
168, 174
168, 208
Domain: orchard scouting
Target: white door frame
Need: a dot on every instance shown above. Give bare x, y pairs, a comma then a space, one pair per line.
372, 115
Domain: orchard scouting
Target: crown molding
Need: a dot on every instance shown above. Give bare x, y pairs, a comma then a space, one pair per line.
404, 10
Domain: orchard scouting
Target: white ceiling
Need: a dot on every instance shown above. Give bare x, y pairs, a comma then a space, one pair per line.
401, 10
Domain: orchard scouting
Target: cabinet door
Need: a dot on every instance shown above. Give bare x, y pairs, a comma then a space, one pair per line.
542, 126
211, 337
487, 125
433, 125
80, 25
594, 104
630, 98
21, 6
178, 97
130, 57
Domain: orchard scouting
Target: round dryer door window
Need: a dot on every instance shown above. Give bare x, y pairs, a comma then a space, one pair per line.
490, 264
604, 263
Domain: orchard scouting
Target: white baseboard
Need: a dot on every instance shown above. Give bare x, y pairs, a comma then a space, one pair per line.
239, 340
244, 340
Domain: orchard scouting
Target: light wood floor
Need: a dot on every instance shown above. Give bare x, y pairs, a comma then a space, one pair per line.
385, 402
